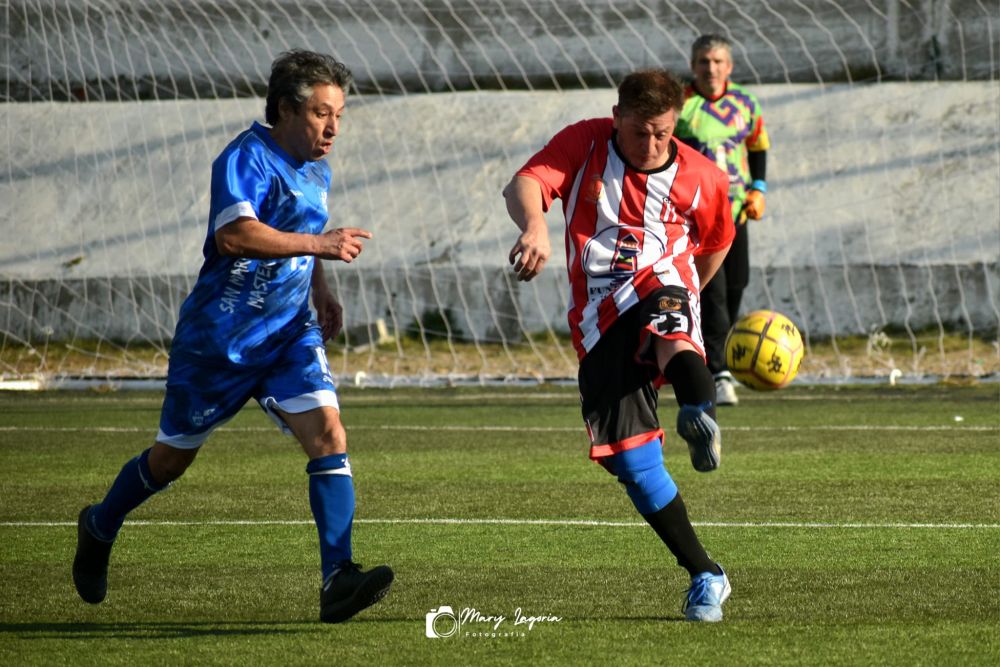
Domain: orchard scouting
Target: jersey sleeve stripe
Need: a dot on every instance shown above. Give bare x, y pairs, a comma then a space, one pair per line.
242, 209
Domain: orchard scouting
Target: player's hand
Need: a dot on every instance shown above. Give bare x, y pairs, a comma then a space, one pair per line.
753, 207
344, 243
329, 313
530, 252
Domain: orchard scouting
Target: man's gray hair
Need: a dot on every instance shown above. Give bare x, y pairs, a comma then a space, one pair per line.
293, 75
710, 42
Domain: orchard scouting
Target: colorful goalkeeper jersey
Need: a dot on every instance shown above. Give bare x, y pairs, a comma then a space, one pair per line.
242, 310
724, 130
628, 232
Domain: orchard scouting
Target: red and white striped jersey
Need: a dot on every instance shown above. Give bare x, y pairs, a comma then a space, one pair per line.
628, 232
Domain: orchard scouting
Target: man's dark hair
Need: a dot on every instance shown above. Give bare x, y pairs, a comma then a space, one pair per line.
650, 92
293, 75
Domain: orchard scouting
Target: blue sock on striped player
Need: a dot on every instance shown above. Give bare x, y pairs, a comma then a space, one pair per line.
331, 497
133, 486
646, 480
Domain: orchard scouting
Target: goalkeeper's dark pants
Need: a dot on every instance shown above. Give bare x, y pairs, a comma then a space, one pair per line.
720, 299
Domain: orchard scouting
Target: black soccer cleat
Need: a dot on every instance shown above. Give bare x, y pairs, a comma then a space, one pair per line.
349, 590
90, 566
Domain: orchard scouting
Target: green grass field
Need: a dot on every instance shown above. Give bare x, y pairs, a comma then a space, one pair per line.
859, 525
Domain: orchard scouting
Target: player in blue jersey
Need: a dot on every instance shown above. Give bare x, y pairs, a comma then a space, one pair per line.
246, 330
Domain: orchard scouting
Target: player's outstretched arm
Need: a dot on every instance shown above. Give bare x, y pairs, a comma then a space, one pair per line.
524, 205
247, 237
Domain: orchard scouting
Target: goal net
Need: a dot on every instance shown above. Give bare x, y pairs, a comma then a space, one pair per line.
881, 239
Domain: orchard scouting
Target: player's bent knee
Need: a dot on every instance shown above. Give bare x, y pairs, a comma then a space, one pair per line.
319, 431
646, 481
667, 348
327, 438
167, 463
333, 440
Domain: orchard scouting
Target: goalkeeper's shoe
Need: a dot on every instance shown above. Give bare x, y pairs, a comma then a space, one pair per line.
725, 389
90, 566
703, 437
349, 590
703, 601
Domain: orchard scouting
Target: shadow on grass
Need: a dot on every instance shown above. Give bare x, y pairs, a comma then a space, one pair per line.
153, 629
158, 630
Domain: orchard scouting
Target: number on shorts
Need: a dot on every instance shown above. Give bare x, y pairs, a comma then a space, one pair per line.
668, 323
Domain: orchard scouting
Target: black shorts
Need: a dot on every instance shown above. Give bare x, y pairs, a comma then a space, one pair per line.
618, 378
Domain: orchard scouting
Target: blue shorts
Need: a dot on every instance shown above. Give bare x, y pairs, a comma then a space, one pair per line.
201, 397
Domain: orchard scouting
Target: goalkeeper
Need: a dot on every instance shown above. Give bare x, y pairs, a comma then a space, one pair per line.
246, 330
723, 121
647, 223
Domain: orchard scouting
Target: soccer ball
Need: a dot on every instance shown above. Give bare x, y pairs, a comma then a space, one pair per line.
764, 350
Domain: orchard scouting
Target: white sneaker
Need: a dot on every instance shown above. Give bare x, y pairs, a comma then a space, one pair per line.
703, 601
725, 389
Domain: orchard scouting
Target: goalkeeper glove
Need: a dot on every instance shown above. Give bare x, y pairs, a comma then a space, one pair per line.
753, 207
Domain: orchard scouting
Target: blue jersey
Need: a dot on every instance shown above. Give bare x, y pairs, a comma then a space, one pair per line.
242, 310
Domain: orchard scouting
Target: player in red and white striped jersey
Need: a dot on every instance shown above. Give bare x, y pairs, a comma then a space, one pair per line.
648, 223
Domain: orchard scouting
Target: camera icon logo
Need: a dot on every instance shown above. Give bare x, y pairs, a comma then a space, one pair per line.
441, 622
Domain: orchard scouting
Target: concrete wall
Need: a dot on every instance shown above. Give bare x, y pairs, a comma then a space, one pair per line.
163, 49
884, 174
489, 306
882, 210
883, 200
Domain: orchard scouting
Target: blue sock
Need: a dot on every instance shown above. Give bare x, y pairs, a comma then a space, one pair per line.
331, 496
130, 489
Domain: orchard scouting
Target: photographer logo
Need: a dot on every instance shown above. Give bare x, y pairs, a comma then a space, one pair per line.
442, 622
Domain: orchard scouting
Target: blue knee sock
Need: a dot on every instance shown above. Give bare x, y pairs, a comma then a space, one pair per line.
646, 481
331, 496
130, 489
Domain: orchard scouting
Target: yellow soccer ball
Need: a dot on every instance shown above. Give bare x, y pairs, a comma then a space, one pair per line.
764, 350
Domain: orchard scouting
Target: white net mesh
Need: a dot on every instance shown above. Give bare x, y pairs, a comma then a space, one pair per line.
881, 241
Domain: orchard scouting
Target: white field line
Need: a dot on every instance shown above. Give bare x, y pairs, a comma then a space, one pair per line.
530, 522
504, 429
